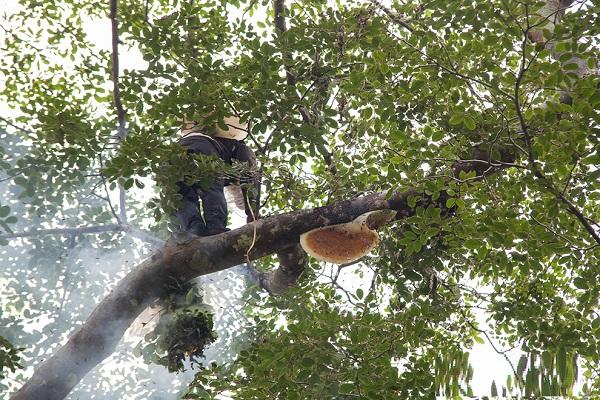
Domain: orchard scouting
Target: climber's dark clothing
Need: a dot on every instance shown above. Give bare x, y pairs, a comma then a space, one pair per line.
213, 199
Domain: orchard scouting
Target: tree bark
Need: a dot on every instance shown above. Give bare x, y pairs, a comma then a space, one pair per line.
292, 263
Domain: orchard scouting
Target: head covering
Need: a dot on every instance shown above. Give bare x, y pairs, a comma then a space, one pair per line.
235, 129
191, 127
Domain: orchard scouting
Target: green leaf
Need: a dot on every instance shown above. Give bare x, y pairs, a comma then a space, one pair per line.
308, 362
580, 283
494, 389
521, 366
4, 211
594, 99
412, 201
437, 136
469, 123
128, 184
456, 119
347, 387
472, 244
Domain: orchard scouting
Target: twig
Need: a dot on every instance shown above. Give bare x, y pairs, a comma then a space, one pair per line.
549, 229
568, 181
8, 122
393, 16
112, 210
279, 11
501, 352
65, 231
72, 232
146, 12
252, 4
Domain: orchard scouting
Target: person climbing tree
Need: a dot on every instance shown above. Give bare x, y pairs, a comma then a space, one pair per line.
228, 145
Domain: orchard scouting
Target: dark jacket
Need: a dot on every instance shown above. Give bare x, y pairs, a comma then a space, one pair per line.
229, 150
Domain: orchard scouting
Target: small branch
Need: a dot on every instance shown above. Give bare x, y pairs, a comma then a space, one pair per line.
279, 11
451, 71
65, 231
549, 229
491, 162
122, 132
393, 16
72, 232
568, 180
115, 69
8, 122
112, 209
8, 178
500, 352
122, 211
146, 12
250, 6
579, 215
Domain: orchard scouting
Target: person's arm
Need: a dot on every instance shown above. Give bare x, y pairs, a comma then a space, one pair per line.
250, 181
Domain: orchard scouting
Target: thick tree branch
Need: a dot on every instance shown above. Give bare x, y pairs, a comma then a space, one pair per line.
103, 179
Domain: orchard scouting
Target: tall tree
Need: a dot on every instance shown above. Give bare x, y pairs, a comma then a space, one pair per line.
477, 124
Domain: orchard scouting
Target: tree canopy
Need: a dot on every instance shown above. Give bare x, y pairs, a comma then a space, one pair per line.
477, 123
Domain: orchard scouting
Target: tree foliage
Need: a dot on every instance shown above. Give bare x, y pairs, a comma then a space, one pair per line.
491, 107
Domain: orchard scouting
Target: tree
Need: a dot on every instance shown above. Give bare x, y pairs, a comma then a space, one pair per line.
476, 123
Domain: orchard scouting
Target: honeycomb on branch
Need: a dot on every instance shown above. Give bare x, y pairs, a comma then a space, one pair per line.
344, 243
